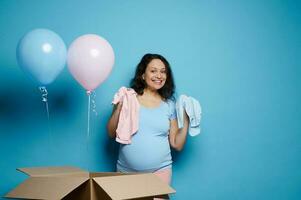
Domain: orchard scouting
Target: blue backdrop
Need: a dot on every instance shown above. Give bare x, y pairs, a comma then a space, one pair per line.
240, 59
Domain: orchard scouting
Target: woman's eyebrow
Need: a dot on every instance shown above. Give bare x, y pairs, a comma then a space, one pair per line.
153, 67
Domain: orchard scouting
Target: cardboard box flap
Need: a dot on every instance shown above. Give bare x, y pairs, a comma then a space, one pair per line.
102, 174
133, 186
46, 187
50, 171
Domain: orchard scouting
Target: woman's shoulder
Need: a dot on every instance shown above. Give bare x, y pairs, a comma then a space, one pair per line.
170, 101
170, 104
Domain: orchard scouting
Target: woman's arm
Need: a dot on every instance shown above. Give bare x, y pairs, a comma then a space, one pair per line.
177, 137
113, 121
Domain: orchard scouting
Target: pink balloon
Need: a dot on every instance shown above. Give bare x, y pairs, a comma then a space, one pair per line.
90, 60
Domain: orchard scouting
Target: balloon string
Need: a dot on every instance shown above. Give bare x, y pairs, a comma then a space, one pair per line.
47, 109
89, 106
93, 103
44, 94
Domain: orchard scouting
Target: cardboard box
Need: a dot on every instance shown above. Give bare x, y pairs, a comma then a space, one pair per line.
74, 183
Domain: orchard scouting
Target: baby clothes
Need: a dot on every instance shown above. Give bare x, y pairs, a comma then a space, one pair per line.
193, 110
129, 114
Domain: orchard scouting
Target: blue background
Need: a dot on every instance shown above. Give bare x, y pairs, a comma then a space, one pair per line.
240, 59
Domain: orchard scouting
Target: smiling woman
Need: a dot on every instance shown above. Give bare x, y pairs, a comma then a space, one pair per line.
149, 150
155, 74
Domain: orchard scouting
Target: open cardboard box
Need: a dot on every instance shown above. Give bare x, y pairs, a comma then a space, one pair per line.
74, 183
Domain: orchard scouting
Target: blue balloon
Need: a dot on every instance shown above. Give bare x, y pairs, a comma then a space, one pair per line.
42, 53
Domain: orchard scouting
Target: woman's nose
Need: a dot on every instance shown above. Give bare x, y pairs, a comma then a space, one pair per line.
159, 75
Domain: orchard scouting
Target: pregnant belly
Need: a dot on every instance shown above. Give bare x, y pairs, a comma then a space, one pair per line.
149, 155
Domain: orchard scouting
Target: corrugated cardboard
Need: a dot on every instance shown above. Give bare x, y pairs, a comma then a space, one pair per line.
73, 183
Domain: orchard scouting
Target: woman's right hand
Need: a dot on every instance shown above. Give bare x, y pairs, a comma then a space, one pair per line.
114, 119
119, 106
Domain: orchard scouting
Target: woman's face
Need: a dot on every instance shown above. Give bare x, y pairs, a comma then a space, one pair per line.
155, 74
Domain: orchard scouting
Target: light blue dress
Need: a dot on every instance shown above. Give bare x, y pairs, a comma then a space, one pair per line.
150, 149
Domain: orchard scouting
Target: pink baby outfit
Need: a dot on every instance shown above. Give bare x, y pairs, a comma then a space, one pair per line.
129, 114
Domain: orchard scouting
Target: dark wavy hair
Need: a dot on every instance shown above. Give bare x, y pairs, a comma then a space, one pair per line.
138, 84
